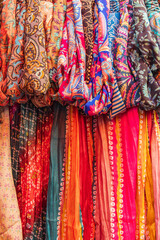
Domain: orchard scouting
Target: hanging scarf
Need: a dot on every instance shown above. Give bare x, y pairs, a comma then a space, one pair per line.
145, 216
103, 182
53, 15
10, 223
70, 224
155, 157
56, 184
15, 118
35, 76
128, 85
150, 230
16, 62
7, 36
71, 61
127, 142
101, 82
87, 16
153, 11
32, 177
118, 105
147, 61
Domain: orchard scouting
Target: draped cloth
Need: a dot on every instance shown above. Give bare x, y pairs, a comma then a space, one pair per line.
155, 157
10, 222
30, 162
153, 11
70, 203
128, 85
147, 57
7, 36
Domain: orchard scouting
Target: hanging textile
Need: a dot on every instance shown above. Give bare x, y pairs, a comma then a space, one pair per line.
7, 36
147, 62
10, 222
31, 173
153, 11
155, 157
128, 85
118, 104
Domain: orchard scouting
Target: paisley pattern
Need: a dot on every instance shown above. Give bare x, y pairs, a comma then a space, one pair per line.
147, 58
53, 15
101, 82
7, 36
16, 62
87, 16
35, 77
71, 61
153, 11
118, 105
128, 85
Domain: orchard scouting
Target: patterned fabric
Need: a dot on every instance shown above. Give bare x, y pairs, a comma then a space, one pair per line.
155, 156
71, 61
16, 62
31, 169
118, 105
10, 223
148, 61
101, 82
153, 10
70, 204
128, 85
87, 16
53, 15
35, 75
7, 35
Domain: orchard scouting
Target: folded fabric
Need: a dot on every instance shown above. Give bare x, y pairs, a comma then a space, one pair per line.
35, 75
153, 11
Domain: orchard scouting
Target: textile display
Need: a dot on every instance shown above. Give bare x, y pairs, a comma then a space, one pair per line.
79, 119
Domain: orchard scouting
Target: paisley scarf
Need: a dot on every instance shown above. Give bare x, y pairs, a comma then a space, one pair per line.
53, 15
128, 85
10, 223
101, 82
147, 63
153, 10
7, 36
16, 62
34, 77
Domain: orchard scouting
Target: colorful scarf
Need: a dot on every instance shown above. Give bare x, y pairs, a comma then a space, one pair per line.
155, 157
101, 82
118, 105
31, 173
153, 11
56, 173
7, 36
53, 15
128, 85
16, 62
34, 77
87, 16
147, 61
10, 223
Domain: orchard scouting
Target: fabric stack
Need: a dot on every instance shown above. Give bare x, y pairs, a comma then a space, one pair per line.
79, 119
